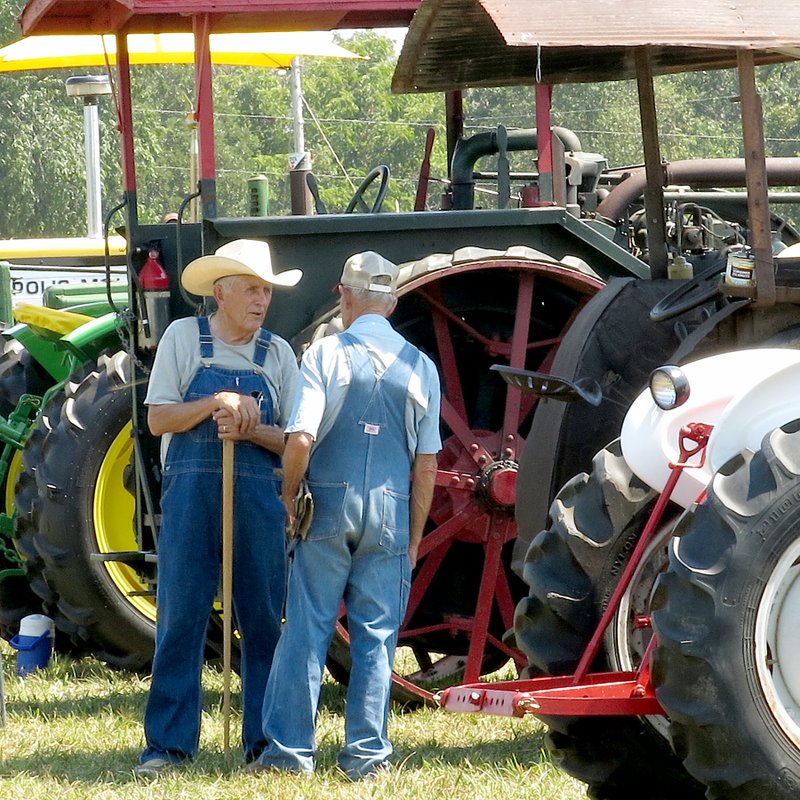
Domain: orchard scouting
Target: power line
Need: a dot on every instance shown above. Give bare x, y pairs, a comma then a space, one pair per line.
280, 118
474, 123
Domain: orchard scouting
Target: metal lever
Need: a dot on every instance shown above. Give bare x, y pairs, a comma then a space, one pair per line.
311, 182
503, 177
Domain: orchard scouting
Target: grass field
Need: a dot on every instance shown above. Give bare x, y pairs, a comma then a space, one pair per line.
74, 732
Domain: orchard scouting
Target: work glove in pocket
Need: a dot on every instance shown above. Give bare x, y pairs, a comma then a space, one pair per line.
303, 513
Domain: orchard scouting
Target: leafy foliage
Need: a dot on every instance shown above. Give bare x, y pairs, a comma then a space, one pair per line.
352, 123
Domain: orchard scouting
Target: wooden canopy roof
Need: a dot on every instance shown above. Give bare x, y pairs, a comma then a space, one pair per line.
453, 44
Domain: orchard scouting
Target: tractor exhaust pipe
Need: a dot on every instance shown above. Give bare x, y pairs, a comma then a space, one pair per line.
703, 173
468, 151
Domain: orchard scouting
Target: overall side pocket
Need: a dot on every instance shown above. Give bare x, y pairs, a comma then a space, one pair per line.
328, 510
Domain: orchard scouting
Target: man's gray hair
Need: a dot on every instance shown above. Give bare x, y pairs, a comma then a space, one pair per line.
228, 282
383, 300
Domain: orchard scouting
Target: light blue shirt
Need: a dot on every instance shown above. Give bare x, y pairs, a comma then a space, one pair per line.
325, 376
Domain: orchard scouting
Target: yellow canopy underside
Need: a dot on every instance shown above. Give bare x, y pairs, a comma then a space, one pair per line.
271, 50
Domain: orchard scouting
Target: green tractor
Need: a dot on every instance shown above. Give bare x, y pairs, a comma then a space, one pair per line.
43, 346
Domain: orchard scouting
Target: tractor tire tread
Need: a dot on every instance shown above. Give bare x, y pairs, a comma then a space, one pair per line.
720, 724
570, 569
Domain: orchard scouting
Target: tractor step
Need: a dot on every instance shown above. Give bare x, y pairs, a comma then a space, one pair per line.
127, 557
550, 386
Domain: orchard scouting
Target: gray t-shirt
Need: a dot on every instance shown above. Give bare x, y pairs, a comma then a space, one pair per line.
178, 359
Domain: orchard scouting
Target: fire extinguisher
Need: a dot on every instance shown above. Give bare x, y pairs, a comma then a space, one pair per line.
155, 287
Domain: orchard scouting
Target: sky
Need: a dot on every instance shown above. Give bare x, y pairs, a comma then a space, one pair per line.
395, 34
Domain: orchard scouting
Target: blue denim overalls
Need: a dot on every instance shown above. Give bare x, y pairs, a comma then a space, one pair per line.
357, 549
189, 556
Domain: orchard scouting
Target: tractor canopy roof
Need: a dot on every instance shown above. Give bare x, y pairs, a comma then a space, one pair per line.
512, 42
162, 16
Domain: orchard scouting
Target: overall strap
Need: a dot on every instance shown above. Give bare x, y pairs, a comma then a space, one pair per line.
408, 357
207, 343
374, 391
347, 338
357, 353
206, 339
262, 347
404, 363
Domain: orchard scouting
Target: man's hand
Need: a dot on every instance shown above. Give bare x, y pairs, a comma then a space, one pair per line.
288, 503
230, 410
295, 463
237, 415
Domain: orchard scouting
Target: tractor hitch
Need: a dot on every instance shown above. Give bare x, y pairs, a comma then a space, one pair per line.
600, 694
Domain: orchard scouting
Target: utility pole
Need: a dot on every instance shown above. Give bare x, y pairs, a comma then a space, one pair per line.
300, 159
90, 88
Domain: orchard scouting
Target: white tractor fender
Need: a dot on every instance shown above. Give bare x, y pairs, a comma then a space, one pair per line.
751, 415
725, 391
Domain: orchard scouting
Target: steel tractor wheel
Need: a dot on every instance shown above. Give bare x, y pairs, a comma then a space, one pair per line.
17, 377
75, 506
727, 666
572, 569
469, 311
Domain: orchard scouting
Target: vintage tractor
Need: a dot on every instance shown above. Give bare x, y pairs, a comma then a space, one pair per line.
44, 347
522, 284
668, 635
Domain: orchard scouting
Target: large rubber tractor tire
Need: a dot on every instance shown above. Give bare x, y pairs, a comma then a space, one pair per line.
75, 497
572, 568
727, 665
469, 311
74, 507
599, 346
19, 375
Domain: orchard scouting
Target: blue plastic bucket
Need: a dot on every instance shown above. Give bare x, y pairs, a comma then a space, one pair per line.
33, 643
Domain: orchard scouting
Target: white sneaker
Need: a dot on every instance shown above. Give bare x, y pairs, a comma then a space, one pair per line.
153, 767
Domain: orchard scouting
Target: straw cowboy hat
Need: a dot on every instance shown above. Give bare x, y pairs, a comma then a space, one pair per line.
239, 257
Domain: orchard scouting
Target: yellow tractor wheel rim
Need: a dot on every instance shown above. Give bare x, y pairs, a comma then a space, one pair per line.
14, 469
114, 507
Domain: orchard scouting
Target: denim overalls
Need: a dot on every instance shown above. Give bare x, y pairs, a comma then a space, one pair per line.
189, 556
357, 549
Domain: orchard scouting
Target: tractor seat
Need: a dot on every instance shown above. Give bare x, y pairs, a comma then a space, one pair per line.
50, 319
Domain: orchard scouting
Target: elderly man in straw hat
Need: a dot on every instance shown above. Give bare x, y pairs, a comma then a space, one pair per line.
218, 377
366, 425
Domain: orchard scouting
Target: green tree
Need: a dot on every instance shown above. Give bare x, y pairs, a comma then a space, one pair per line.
42, 171
355, 123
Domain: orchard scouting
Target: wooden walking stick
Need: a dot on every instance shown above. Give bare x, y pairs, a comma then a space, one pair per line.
227, 588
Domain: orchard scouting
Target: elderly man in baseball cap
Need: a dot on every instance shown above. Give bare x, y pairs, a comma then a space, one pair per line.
217, 377
366, 429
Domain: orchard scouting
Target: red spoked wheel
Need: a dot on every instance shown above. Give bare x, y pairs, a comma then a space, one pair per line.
468, 315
